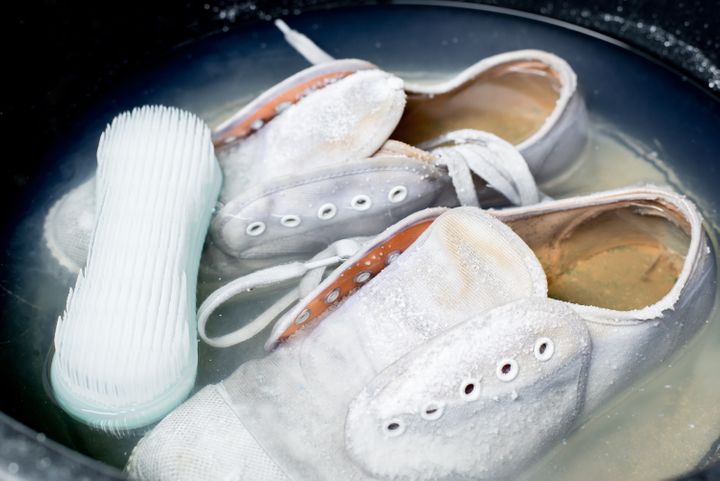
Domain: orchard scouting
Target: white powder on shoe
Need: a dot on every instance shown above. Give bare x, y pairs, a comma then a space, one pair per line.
345, 121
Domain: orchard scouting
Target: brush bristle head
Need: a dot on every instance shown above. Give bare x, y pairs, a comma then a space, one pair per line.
125, 348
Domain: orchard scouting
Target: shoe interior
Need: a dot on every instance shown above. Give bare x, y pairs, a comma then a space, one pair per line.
511, 100
622, 256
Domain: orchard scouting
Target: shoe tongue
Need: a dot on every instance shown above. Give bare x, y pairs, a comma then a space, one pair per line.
345, 121
465, 263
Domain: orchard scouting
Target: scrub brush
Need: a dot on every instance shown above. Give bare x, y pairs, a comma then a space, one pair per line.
125, 347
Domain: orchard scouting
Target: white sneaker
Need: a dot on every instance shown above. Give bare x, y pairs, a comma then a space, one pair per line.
125, 347
435, 354
305, 386
302, 214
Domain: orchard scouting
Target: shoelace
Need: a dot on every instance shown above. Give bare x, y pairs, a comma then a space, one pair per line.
311, 272
305, 47
467, 151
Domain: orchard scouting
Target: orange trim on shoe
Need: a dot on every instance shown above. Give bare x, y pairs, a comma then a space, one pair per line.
358, 274
272, 108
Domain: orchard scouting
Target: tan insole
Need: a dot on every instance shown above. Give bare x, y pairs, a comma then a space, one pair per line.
511, 100
619, 260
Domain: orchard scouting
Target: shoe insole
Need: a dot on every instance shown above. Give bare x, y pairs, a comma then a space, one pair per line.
620, 259
511, 101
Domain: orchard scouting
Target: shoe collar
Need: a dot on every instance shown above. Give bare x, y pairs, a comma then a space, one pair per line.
684, 213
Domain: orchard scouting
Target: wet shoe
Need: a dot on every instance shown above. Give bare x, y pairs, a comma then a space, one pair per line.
634, 264
306, 384
125, 347
68, 226
307, 163
364, 197
434, 353
527, 97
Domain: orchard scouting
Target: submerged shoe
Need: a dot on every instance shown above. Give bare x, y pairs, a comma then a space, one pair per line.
125, 347
307, 163
69, 224
305, 385
302, 214
634, 264
527, 97
435, 354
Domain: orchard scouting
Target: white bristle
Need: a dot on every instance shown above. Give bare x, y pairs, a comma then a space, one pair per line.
127, 335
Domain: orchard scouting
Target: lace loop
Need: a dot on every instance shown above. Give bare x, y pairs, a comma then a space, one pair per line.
311, 272
493, 159
460, 174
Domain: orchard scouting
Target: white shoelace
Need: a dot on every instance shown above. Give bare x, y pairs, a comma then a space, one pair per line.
304, 45
311, 272
467, 151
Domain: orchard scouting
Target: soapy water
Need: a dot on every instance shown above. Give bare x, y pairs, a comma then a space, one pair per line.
647, 125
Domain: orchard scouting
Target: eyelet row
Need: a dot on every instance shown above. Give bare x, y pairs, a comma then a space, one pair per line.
469, 390
332, 296
329, 210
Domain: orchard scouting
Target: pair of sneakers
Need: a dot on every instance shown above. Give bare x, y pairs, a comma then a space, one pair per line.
458, 344
336, 401
334, 120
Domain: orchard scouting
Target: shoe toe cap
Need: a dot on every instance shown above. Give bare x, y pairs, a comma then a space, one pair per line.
202, 440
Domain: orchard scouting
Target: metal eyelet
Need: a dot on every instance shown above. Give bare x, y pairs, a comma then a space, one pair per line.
282, 107
397, 194
544, 349
291, 220
327, 211
392, 256
363, 277
304, 316
470, 389
255, 228
332, 296
432, 411
361, 202
507, 370
394, 427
